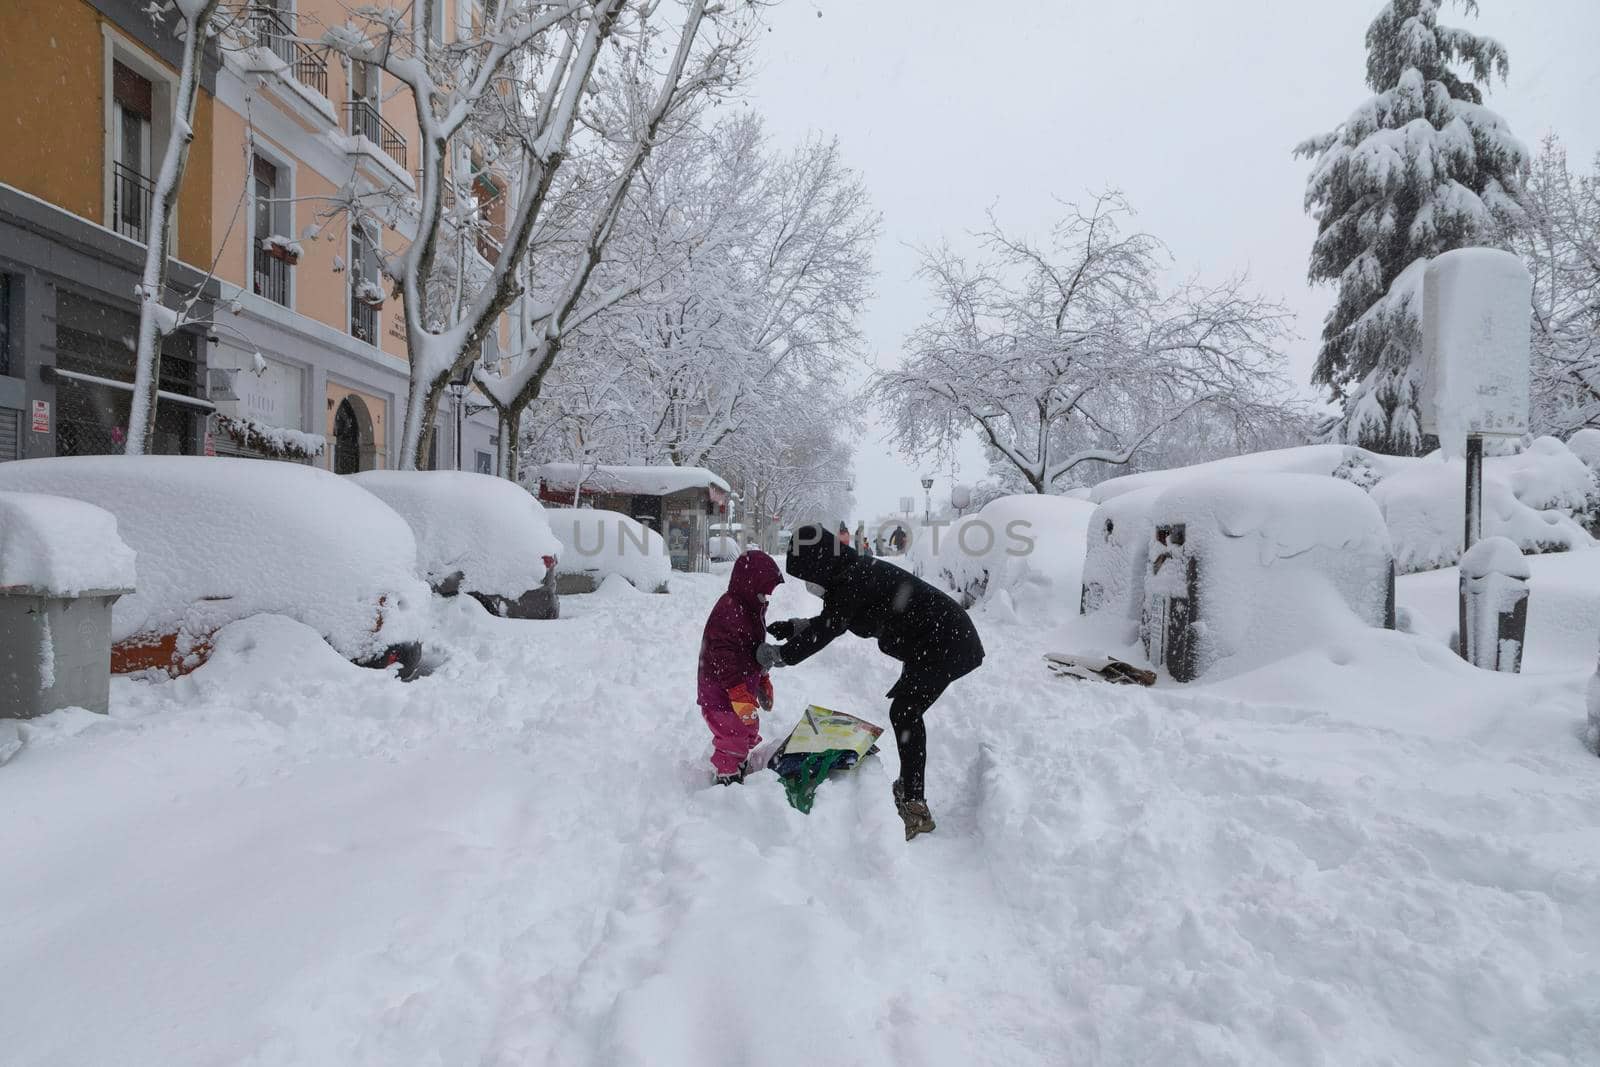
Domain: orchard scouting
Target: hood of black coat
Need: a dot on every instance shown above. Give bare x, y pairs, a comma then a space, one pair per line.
817, 555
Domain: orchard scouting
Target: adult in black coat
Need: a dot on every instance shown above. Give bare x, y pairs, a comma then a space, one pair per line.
913, 622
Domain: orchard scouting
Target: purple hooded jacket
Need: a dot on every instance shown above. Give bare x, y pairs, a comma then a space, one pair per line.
736, 628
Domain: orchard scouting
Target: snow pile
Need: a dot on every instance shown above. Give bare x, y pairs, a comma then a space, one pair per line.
645, 481
1585, 444
61, 547
605, 543
1475, 345
1017, 555
1530, 497
223, 539
1282, 561
490, 531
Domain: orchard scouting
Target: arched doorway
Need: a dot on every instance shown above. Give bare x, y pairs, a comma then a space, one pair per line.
353, 446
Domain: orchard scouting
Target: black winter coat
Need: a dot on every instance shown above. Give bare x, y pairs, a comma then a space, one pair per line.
912, 621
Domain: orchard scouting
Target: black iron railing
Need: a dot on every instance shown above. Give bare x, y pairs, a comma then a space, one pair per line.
131, 194
275, 33
366, 122
363, 317
272, 277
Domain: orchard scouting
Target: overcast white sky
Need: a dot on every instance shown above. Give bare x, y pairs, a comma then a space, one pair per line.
1192, 109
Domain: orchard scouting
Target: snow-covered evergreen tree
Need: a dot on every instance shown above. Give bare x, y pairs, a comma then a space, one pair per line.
1420, 168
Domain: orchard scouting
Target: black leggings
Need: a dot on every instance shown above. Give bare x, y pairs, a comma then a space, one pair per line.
911, 697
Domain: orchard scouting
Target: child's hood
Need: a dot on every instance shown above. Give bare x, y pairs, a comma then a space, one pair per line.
755, 574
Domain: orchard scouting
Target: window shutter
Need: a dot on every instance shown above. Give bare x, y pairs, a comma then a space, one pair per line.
131, 90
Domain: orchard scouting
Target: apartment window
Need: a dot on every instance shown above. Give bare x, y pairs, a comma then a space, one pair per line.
366, 283
436, 22
274, 249
132, 111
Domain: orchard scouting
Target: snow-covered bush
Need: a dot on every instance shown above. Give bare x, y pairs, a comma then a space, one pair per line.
219, 540
60, 547
599, 544
1280, 560
1019, 554
475, 533
1531, 498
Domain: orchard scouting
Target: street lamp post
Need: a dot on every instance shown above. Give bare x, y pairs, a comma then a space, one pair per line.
927, 500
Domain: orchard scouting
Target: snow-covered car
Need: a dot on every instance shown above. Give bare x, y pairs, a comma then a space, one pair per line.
724, 541
595, 544
219, 540
476, 534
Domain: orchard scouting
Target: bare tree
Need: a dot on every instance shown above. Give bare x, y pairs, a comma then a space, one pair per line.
1072, 353
195, 26
1561, 243
644, 106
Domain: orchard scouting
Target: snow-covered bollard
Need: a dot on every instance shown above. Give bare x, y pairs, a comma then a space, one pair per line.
62, 566
1494, 605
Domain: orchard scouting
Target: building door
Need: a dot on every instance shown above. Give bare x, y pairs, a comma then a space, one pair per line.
346, 439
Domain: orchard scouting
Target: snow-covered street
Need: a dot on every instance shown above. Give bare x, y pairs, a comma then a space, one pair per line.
284, 859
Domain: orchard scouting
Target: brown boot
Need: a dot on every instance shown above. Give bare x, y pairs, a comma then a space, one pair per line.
915, 814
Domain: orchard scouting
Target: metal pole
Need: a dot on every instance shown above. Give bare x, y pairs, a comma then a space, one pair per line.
1473, 531
458, 428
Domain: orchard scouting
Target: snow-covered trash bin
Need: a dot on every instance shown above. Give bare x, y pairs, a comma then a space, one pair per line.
1253, 568
62, 567
1494, 605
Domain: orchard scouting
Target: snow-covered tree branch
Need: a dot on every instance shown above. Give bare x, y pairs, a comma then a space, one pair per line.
1071, 353
194, 26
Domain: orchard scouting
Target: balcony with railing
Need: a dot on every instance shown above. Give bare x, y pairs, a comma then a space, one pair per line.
363, 314
131, 196
272, 276
274, 32
366, 122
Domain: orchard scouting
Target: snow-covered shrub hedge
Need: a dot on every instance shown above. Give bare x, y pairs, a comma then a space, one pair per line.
219, 540
1531, 497
601, 543
1282, 560
490, 531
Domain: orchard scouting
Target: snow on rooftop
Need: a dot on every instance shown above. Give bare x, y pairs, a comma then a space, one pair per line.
645, 481
61, 547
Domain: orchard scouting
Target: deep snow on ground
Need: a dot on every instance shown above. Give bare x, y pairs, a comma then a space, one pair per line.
284, 859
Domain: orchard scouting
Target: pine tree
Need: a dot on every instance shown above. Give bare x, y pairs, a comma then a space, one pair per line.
1420, 168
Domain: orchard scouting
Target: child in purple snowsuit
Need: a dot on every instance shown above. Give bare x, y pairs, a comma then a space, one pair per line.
733, 687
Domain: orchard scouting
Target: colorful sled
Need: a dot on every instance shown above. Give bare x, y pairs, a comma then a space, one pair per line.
822, 742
